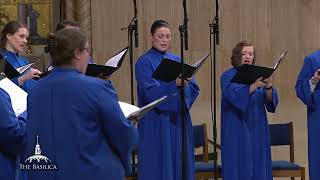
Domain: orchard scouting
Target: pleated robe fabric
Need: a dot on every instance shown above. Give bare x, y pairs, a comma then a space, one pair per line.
12, 139
159, 151
81, 128
312, 101
245, 139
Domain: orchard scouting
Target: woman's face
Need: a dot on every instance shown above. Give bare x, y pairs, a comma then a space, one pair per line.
247, 55
161, 39
17, 42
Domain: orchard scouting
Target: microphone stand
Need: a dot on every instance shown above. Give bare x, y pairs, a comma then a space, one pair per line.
214, 38
132, 28
184, 44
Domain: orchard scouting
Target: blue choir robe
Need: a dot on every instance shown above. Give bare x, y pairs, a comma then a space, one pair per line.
81, 128
245, 139
159, 151
312, 101
17, 61
12, 139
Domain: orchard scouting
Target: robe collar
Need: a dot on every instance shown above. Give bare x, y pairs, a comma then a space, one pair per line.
161, 52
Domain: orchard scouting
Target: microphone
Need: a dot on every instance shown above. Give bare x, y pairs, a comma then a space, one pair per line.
135, 23
136, 33
186, 36
185, 25
217, 30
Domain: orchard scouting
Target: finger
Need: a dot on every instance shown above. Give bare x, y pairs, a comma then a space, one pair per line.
260, 78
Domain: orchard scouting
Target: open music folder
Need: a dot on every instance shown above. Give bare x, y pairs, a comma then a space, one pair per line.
132, 112
109, 67
169, 70
248, 74
17, 95
9, 71
22, 69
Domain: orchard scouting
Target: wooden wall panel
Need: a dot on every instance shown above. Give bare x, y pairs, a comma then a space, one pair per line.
272, 25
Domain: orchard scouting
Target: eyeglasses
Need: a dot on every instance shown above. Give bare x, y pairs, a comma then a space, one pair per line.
89, 50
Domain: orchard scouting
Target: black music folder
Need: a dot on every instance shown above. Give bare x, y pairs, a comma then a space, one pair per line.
109, 67
169, 70
6, 68
248, 74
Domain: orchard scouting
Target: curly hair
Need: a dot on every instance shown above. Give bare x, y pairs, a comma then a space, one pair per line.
236, 58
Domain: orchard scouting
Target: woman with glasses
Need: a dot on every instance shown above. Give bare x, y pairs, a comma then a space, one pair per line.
77, 118
160, 148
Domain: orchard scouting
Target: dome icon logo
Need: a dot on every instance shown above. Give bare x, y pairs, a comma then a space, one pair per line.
38, 161
37, 154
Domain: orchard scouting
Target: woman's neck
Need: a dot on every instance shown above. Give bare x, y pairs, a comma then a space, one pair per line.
9, 48
162, 52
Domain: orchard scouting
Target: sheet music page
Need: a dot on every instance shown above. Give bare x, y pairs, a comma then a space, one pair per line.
127, 109
200, 61
276, 64
17, 95
113, 62
22, 69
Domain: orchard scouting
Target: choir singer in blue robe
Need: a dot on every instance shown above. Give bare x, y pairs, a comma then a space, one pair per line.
12, 139
76, 119
13, 41
159, 151
246, 151
308, 91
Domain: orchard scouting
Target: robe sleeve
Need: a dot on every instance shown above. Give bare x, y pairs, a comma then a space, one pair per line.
12, 129
28, 84
192, 91
121, 134
151, 89
303, 86
271, 106
236, 94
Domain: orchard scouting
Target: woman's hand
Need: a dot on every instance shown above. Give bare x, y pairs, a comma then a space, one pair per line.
179, 81
32, 73
258, 83
316, 77
104, 77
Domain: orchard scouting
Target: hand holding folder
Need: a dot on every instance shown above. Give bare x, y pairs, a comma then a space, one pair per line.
248, 74
22, 69
109, 67
6, 68
134, 113
169, 70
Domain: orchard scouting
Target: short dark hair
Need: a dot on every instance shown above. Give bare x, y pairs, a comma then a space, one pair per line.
159, 24
10, 28
236, 58
64, 23
63, 45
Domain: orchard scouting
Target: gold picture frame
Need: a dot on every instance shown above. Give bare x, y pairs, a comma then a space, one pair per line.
35, 14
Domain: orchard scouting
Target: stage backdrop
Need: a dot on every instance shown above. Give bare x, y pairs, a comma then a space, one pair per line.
273, 26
